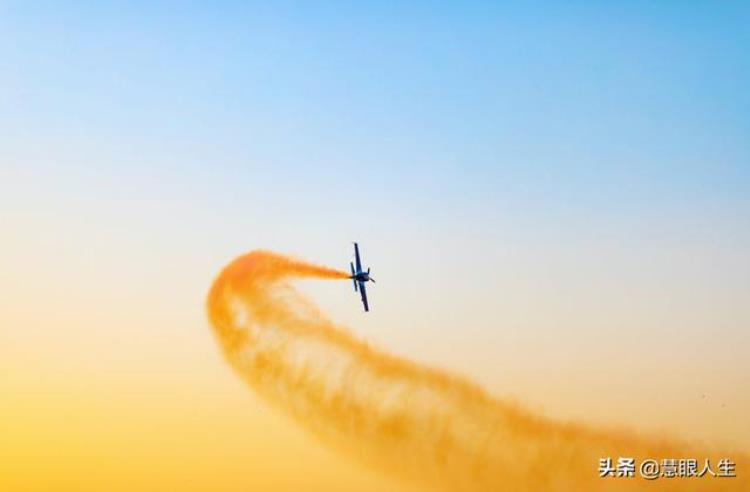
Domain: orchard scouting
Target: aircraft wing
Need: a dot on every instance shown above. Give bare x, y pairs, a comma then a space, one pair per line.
364, 295
357, 260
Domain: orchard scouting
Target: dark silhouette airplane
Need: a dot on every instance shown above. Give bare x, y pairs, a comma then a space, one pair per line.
359, 276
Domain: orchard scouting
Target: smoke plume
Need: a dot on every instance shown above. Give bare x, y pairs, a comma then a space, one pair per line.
432, 428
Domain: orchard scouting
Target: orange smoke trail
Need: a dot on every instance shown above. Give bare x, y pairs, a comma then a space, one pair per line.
431, 427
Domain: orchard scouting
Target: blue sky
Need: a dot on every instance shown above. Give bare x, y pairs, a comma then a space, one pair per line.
600, 97
428, 114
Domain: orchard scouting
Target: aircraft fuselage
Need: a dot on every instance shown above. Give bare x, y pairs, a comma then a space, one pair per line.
361, 277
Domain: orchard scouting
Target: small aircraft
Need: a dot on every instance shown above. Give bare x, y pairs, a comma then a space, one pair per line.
359, 277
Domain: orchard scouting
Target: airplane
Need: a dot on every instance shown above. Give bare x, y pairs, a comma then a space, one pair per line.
359, 277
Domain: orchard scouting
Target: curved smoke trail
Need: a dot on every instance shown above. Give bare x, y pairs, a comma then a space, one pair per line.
422, 424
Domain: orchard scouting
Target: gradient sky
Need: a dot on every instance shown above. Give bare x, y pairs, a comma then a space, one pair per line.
555, 201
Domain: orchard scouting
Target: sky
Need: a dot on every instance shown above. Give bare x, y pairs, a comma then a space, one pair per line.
554, 200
